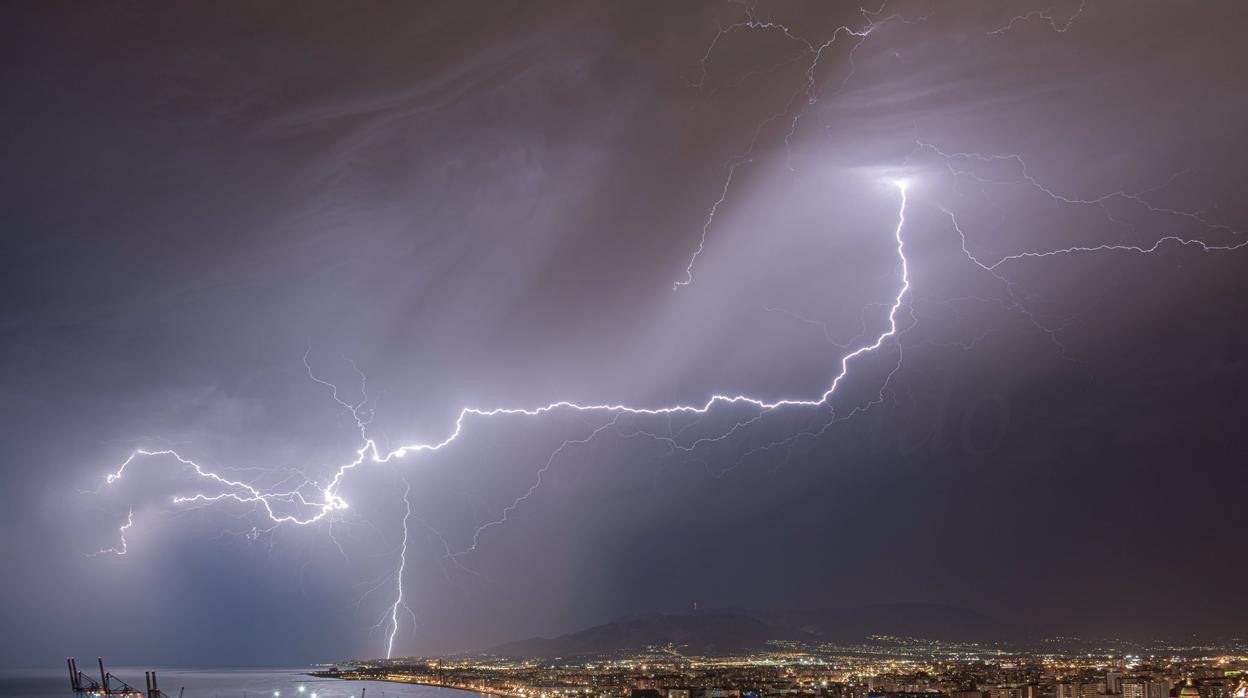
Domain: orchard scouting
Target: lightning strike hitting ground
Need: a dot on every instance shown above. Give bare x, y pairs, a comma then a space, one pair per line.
398, 574
328, 499
310, 502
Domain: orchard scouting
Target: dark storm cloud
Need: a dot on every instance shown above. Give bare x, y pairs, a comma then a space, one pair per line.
488, 205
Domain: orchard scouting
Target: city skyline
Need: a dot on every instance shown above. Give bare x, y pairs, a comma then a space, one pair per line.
876, 667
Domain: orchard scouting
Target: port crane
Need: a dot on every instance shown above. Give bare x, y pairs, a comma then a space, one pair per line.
85, 686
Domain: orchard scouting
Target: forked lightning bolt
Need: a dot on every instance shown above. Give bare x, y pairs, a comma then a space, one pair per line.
328, 499
310, 501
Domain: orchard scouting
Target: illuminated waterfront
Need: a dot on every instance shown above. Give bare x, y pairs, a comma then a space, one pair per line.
224, 683
884, 667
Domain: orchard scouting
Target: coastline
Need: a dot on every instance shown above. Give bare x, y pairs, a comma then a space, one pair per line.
395, 678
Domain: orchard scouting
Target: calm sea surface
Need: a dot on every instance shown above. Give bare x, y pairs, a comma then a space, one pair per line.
223, 683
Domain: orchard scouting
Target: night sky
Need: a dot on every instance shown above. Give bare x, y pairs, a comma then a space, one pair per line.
488, 204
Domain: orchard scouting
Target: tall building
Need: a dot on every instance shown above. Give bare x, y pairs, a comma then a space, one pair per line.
1144, 687
1134, 688
1004, 692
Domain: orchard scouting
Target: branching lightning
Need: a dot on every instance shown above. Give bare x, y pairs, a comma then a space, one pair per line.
1045, 16
329, 500
399, 602
962, 164
303, 501
808, 94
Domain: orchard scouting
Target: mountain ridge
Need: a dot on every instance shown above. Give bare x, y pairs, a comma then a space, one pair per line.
722, 632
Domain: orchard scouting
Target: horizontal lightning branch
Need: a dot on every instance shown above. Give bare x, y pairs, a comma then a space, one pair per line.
329, 500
